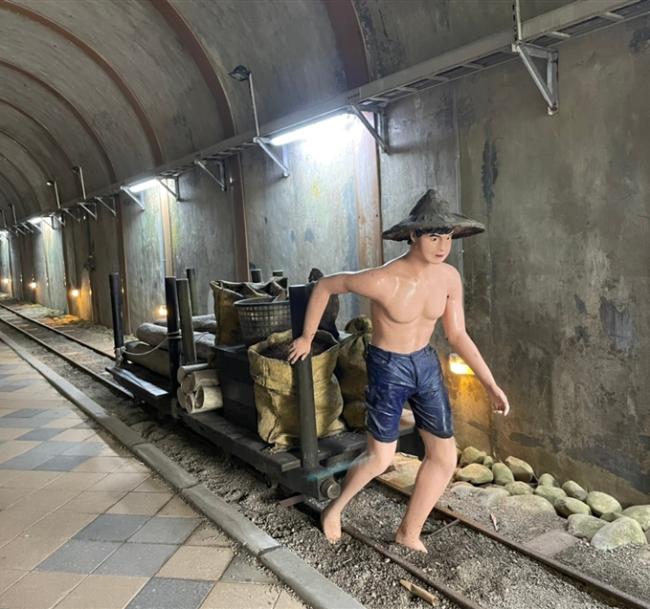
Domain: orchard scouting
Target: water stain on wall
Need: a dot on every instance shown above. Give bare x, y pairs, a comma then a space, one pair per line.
489, 172
618, 325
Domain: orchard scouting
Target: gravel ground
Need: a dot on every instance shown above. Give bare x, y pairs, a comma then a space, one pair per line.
491, 575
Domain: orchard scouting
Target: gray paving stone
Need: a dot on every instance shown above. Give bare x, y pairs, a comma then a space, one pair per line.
111, 527
239, 570
51, 449
8, 421
9, 388
45, 433
90, 449
137, 559
166, 530
26, 461
62, 463
164, 593
26, 412
78, 556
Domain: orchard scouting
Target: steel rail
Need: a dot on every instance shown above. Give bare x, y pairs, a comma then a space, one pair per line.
72, 338
567, 570
590, 583
104, 381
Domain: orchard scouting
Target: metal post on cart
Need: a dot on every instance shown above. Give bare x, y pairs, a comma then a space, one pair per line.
115, 288
173, 338
194, 297
185, 314
298, 299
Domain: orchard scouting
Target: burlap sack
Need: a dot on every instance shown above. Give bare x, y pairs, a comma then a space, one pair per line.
227, 293
351, 370
278, 418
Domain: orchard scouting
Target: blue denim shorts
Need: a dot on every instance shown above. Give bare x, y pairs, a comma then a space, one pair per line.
397, 378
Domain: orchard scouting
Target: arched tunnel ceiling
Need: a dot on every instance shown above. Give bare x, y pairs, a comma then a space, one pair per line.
121, 86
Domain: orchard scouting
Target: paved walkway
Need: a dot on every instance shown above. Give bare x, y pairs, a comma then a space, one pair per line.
84, 525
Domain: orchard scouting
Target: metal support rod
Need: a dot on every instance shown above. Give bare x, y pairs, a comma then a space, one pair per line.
78, 170
185, 314
194, 297
217, 179
92, 213
252, 90
31, 227
517, 17
115, 289
131, 196
171, 191
380, 140
106, 205
173, 336
4, 219
298, 299
13, 211
262, 143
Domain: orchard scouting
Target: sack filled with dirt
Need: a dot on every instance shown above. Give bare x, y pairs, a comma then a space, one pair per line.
276, 392
227, 293
351, 370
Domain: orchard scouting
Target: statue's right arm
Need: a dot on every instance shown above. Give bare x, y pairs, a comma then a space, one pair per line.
366, 283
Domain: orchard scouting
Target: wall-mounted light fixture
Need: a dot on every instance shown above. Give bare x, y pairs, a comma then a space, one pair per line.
35, 221
458, 366
143, 185
162, 311
5, 281
74, 293
242, 73
32, 285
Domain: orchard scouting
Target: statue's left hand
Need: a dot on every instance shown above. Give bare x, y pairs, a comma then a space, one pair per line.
500, 401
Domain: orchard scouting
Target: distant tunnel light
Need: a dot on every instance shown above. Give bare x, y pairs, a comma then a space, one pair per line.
162, 311
5, 281
32, 285
142, 186
458, 366
75, 293
326, 130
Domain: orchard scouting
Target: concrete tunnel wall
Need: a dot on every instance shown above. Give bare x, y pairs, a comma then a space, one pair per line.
487, 144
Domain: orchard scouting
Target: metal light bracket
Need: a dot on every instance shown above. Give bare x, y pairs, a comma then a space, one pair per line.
371, 129
263, 143
84, 205
133, 198
219, 179
547, 85
113, 209
174, 192
29, 228
68, 210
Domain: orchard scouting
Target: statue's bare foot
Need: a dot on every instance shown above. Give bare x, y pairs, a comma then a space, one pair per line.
330, 522
411, 542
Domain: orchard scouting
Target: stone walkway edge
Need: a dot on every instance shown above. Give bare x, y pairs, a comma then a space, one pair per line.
307, 582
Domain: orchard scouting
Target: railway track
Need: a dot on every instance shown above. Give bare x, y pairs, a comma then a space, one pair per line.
91, 361
599, 590
83, 356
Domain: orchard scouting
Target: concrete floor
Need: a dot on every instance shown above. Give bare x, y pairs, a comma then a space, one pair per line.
84, 525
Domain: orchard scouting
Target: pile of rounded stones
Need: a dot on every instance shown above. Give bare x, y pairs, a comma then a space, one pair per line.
592, 515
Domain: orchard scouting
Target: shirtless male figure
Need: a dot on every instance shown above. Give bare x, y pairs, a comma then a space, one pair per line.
408, 295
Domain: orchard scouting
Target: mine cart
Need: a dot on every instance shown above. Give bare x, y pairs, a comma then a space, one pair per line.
311, 469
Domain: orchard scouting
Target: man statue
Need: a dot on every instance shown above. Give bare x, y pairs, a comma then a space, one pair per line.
408, 295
